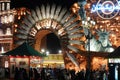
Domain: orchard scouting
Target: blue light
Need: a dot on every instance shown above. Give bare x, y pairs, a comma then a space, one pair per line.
119, 2
107, 7
93, 8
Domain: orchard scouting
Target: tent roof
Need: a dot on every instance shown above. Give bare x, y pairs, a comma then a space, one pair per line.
24, 49
115, 53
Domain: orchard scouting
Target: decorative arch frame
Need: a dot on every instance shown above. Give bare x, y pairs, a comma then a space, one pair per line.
55, 18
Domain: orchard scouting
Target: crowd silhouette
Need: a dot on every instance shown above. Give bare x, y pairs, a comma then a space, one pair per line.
56, 74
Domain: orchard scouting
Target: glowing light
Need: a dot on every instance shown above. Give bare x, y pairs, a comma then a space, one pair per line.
15, 30
76, 5
7, 19
6, 64
117, 30
74, 10
2, 50
42, 50
60, 31
33, 31
60, 51
47, 52
37, 25
101, 26
111, 50
83, 22
88, 18
88, 23
116, 60
16, 25
7, 16
106, 9
8, 31
19, 17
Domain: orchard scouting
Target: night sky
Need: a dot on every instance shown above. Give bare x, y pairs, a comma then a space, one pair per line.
33, 3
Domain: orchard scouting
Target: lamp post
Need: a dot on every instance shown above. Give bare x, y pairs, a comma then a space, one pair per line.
87, 24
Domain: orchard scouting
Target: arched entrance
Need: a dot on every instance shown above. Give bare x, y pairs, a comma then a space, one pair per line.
40, 38
53, 44
56, 19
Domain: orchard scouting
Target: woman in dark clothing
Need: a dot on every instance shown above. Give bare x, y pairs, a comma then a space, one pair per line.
61, 75
16, 76
43, 74
36, 74
25, 75
31, 73
7, 73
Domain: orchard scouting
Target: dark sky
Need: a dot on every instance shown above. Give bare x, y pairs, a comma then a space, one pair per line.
53, 43
33, 3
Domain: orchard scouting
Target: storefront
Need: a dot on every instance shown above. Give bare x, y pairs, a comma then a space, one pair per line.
53, 61
114, 68
4, 65
25, 62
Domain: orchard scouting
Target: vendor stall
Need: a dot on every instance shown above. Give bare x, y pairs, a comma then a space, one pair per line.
20, 57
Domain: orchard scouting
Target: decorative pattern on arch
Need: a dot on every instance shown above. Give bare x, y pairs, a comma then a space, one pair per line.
55, 18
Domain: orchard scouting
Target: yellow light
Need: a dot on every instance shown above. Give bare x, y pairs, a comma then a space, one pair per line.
15, 30
16, 25
101, 26
74, 10
76, 5
117, 18
19, 17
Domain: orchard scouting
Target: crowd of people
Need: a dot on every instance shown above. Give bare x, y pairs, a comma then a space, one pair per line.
57, 74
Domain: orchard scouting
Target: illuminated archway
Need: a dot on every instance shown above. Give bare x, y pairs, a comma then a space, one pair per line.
55, 19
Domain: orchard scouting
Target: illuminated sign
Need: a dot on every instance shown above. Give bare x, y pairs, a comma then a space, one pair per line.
116, 60
106, 9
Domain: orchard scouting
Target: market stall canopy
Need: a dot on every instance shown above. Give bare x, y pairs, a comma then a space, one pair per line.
115, 53
24, 50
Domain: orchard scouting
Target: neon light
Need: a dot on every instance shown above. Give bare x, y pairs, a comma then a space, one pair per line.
105, 7
119, 3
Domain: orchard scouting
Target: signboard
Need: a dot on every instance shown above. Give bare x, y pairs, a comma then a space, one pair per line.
6, 64
106, 9
116, 60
